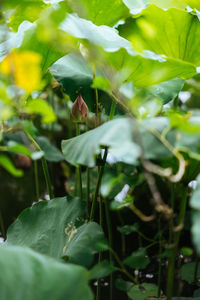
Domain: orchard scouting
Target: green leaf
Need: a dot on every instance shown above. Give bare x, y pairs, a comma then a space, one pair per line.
49, 52
168, 90
145, 69
51, 153
75, 75
136, 6
18, 148
43, 226
123, 285
180, 40
138, 259
128, 229
101, 12
26, 274
188, 270
83, 243
83, 149
102, 269
8, 165
40, 106
143, 291
103, 36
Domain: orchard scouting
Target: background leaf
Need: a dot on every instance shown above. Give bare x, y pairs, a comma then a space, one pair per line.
26, 274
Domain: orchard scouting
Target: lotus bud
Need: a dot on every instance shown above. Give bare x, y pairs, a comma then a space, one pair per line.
79, 111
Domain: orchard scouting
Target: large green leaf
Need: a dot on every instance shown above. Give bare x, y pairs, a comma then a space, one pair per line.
100, 12
26, 274
104, 36
83, 149
144, 69
42, 227
83, 243
173, 33
75, 75
136, 6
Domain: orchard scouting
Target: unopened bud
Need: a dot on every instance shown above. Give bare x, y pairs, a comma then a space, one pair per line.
79, 111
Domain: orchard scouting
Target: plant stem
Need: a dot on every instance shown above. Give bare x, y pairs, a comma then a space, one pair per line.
87, 190
78, 168
172, 259
100, 175
36, 181
44, 166
100, 254
122, 236
2, 226
123, 269
110, 240
196, 269
112, 110
160, 260
47, 177
96, 99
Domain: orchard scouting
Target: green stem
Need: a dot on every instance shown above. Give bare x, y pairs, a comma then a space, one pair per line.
87, 189
36, 181
123, 269
3, 232
110, 240
196, 269
100, 175
112, 110
96, 99
123, 239
172, 259
47, 177
100, 254
160, 259
44, 166
78, 168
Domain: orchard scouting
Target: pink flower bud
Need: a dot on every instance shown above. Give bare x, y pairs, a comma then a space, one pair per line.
79, 111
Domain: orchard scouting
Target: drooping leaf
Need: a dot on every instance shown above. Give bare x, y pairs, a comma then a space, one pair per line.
26, 274
51, 153
42, 227
14, 40
8, 165
40, 106
83, 242
83, 149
